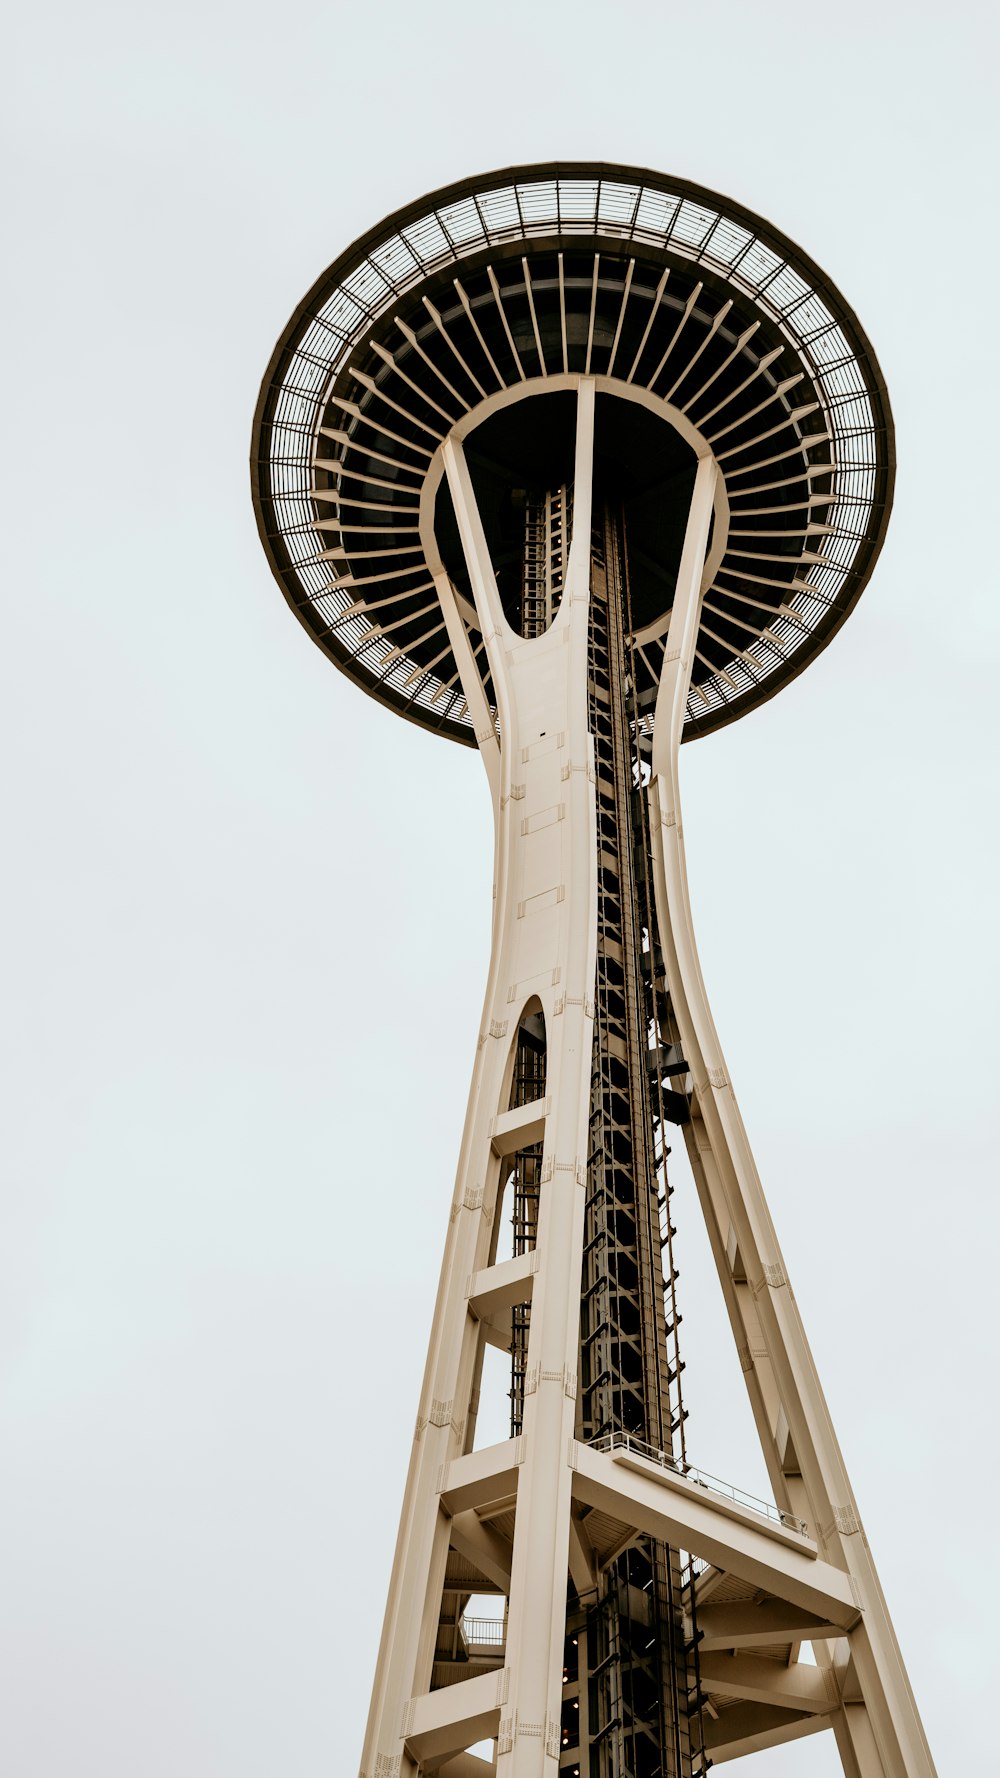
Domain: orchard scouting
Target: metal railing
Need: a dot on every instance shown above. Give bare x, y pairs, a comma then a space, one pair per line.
626, 1441
484, 1632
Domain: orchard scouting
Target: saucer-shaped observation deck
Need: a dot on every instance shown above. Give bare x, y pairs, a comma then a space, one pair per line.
698, 321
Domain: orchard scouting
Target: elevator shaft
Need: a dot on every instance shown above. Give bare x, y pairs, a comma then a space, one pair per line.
640, 1719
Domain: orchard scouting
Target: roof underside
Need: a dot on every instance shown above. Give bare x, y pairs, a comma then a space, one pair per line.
521, 277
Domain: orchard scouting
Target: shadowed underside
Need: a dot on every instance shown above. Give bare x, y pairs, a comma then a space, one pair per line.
518, 281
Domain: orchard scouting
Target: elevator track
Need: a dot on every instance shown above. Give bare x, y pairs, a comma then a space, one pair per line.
627, 1644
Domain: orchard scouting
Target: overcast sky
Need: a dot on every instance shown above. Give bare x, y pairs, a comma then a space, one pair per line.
247, 910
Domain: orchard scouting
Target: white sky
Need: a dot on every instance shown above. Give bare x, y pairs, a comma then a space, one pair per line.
248, 909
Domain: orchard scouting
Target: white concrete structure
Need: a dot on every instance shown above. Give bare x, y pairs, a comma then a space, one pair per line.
555, 1507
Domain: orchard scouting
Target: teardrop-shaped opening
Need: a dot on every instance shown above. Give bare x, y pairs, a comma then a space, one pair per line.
521, 462
528, 1077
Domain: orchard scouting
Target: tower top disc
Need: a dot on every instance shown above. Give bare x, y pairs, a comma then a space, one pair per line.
698, 321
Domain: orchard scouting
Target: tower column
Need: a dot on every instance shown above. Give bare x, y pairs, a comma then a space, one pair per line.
545, 931
544, 949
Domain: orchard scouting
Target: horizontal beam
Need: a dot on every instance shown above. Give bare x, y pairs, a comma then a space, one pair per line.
448, 1668
520, 1128
760, 1681
439, 1724
745, 1625
732, 1508
482, 1478
656, 1502
751, 1728
500, 1287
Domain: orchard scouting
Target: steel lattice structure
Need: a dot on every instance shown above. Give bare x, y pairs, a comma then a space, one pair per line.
573, 463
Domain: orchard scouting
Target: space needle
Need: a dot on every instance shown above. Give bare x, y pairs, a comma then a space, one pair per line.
572, 463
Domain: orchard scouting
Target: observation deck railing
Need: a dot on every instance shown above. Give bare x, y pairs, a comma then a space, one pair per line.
626, 1441
484, 1632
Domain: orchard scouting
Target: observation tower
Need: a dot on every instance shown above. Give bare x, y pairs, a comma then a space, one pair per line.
571, 463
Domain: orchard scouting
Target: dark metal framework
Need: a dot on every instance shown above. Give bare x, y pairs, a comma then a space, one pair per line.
644, 1716
551, 270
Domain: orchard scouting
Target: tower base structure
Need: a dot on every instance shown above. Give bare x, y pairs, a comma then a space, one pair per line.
555, 1507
